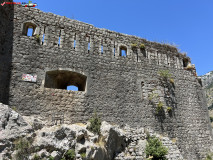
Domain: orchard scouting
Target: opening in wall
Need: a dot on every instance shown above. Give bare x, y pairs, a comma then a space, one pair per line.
72, 88
64, 79
185, 62
123, 51
29, 29
30, 32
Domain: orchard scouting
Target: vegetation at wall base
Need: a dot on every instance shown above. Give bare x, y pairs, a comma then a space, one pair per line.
155, 149
70, 155
95, 124
23, 147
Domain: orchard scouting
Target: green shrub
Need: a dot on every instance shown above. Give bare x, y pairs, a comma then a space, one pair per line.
209, 156
155, 149
37, 37
83, 155
169, 109
36, 157
165, 74
51, 158
95, 124
159, 107
211, 119
70, 154
23, 148
142, 46
134, 45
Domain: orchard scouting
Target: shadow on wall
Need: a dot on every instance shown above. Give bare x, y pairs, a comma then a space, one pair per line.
6, 47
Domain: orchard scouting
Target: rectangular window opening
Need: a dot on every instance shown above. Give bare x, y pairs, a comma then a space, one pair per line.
43, 37
88, 47
59, 39
74, 45
123, 53
30, 32
102, 49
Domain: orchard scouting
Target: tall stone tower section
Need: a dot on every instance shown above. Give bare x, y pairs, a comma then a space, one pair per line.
125, 79
6, 48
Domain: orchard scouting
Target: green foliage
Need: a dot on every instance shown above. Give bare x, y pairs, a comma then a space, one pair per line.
51, 158
209, 156
36, 157
70, 155
95, 124
165, 74
134, 45
169, 109
159, 107
155, 149
153, 95
83, 155
37, 37
23, 149
142, 46
211, 119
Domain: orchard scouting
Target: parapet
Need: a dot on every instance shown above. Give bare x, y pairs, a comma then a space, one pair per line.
53, 31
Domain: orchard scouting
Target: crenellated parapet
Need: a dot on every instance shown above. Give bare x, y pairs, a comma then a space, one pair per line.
66, 34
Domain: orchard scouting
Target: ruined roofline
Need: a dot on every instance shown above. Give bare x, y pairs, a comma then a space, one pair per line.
64, 22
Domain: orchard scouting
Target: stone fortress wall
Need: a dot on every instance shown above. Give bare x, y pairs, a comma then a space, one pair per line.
118, 88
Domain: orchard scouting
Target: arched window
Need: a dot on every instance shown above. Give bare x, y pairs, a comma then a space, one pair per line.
63, 79
123, 51
29, 29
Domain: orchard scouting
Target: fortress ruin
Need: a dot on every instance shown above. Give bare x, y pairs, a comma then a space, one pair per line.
117, 75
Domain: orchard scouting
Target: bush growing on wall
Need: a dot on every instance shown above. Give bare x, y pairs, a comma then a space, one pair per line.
155, 149
95, 124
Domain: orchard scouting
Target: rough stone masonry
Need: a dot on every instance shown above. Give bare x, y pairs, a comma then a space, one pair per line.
117, 76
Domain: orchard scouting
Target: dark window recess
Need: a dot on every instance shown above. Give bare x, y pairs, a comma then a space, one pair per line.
59, 39
185, 62
28, 29
123, 51
64, 79
74, 44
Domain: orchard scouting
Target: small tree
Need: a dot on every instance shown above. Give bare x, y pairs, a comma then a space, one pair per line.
155, 149
95, 124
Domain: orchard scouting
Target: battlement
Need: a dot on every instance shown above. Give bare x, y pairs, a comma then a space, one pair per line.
74, 36
126, 79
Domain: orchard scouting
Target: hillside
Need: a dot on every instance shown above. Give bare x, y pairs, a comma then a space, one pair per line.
207, 81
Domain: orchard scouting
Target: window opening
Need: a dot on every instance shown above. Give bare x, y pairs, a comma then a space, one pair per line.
185, 62
30, 32
102, 48
72, 88
123, 51
59, 39
43, 37
88, 46
114, 48
63, 79
74, 41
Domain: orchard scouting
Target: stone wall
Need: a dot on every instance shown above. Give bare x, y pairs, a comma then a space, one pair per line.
118, 88
6, 47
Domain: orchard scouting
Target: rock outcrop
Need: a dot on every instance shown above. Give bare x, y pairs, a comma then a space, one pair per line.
30, 141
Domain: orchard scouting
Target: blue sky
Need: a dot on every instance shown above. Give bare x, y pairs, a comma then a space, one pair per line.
186, 23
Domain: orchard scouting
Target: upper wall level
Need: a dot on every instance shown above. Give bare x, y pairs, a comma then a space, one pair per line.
53, 31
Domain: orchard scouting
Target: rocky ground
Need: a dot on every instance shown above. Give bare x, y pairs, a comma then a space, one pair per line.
29, 138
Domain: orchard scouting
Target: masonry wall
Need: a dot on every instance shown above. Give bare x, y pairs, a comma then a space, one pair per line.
6, 44
118, 88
